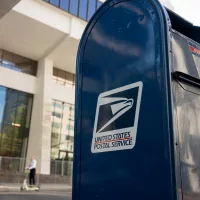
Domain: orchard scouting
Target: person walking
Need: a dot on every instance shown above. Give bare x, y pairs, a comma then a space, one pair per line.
32, 168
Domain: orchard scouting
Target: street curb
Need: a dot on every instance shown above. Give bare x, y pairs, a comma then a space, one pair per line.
17, 189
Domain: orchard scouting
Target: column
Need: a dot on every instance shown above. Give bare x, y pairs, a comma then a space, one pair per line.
40, 131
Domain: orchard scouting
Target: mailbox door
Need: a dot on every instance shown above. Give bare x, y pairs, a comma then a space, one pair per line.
122, 117
187, 114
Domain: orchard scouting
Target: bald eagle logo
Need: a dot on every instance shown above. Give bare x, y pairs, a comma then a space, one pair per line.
118, 108
116, 119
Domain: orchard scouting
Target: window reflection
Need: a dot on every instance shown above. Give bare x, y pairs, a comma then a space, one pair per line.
7, 60
64, 4
83, 9
54, 2
80, 8
6, 140
17, 142
15, 115
74, 7
18, 63
21, 110
91, 8
62, 137
2, 102
63, 78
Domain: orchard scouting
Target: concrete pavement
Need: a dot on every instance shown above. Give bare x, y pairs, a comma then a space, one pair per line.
35, 195
43, 187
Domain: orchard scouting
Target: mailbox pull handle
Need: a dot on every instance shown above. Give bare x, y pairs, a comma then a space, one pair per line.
191, 80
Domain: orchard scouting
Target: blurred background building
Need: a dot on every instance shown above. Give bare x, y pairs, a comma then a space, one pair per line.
38, 46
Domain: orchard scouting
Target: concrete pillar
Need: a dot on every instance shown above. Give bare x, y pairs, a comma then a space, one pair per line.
40, 131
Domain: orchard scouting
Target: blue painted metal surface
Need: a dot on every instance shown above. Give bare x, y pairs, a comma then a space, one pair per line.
123, 44
130, 42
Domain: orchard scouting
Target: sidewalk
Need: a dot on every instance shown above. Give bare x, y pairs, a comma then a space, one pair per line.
43, 187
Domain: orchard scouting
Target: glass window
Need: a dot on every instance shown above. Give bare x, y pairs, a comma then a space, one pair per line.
70, 138
59, 115
28, 110
92, 8
69, 78
74, 7
21, 110
24, 65
69, 128
1, 55
64, 4
2, 102
83, 9
80, 8
24, 143
63, 77
54, 2
56, 117
74, 79
6, 140
18, 63
15, 111
34, 65
63, 140
56, 125
18, 60
55, 74
55, 141
7, 59
16, 142
9, 114
58, 105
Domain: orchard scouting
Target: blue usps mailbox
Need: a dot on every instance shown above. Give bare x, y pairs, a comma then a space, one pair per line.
137, 132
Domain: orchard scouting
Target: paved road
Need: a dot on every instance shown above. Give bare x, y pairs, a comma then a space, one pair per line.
34, 196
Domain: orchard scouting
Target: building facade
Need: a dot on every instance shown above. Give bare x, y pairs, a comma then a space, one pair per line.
38, 45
